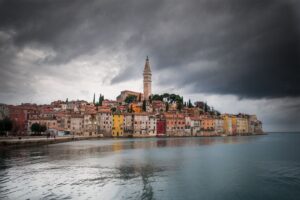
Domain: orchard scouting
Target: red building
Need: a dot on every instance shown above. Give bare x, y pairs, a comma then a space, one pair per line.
19, 114
161, 127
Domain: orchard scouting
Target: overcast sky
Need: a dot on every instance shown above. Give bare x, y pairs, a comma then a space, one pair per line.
238, 55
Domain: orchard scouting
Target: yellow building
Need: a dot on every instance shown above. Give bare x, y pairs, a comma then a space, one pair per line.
227, 124
117, 125
233, 124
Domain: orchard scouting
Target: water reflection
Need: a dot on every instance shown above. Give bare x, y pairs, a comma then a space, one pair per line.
71, 149
153, 168
146, 173
176, 142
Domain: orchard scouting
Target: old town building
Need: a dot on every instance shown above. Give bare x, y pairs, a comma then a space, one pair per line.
152, 123
104, 122
219, 125
242, 125
128, 124
117, 125
160, 125
195, 126
77, 124
140, 124
90, 124
175, 123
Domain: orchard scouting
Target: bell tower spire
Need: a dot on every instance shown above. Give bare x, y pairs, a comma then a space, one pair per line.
147, 80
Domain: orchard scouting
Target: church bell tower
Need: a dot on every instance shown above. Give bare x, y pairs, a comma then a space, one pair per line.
147, 80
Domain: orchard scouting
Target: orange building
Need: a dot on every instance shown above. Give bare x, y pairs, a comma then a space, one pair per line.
207, 123
136, 107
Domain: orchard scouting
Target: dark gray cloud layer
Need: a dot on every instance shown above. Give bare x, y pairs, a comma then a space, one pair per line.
248, 48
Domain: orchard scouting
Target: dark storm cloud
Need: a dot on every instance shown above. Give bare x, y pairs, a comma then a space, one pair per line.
248, 48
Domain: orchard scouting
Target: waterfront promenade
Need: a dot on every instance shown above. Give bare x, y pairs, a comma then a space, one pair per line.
40, 140
43, 140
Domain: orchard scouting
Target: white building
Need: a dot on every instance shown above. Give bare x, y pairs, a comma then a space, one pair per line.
90, 124
242, 126
152, 125
140, 122
128, 124
188, 130
219, 125
104, 122
195, 126
77, 124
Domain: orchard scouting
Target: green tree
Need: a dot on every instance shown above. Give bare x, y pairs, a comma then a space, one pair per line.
6, 125
171, 98
130, 98
144, 106
113, 109
35, 127
1, 127
101, 100
157, 97
206, 107
165, 95
179, 105
43, 128
190, 105
94, 99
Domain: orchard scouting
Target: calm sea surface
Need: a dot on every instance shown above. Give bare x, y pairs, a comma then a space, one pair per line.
253, 167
